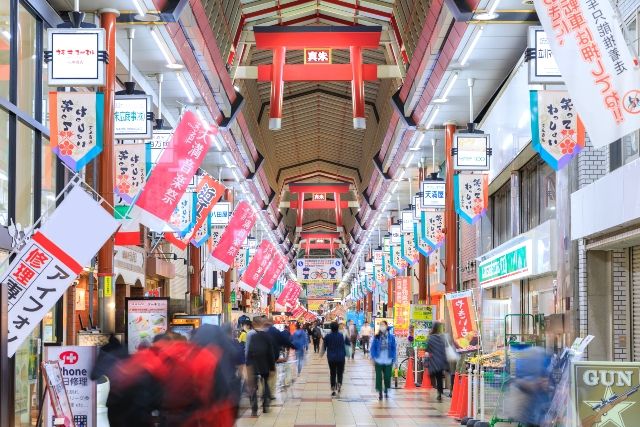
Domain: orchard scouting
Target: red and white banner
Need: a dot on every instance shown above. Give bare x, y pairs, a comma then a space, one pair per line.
464, 326
172, 174
240, 225
208, 193
292, 300
271, 275
298, 312
257, 267
287, 294
45, 267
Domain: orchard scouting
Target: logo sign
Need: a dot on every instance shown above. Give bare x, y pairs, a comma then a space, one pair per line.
317, 56
471, 151
433, 194
543, 68
507, 266
221, 213
606, 393
76, 58
132, 117
108, 286
319, 196
317, 270
464, 327
598, 67
407, 221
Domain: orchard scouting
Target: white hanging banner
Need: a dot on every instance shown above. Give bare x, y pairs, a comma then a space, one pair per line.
602, 76
45, 267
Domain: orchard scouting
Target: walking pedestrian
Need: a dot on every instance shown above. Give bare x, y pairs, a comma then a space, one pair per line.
260, 362
300, 341
437, 362
316, 334
365, 337
383, 353
334, 344
353, 337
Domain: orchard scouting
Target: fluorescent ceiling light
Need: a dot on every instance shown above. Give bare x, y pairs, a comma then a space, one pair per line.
445, 94
185, 88
433, 117
409, 160
418, 143
227, 161
138, 6
474, 42
161, 45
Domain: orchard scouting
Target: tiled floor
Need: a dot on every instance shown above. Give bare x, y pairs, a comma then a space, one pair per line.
308, 401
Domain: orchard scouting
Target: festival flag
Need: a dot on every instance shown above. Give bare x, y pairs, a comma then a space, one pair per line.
432, 223
234, 235
258, 266
202, 234
422, 247
408, 249
273, 272
130, 163
471, 195
288, 290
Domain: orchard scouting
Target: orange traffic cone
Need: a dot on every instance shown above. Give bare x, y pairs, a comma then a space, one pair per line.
426, 379
464, 396
453, 409
409, 384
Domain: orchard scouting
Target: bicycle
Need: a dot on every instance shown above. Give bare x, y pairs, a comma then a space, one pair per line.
319, 275
403, 366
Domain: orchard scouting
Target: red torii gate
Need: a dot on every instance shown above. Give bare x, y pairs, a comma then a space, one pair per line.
280, 38
331, 237
318, 189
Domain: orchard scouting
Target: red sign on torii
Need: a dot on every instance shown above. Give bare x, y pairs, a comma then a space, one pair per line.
280, 38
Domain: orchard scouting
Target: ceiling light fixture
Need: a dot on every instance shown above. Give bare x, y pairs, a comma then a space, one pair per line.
161, 46
138, 6
474, 42
433, 117
418, 143
488, 15
235, 175
185, 88
445, 94
409, 160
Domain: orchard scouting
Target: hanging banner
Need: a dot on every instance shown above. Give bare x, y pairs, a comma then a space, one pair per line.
276, 267
387, 269
208, 192
298, 312
378, 275
395, 258
183, 217
258, 266
292, 299
422, 247
598, 68
202, 234
318, 270
287, 291
130, 170
402, 293
241, 260
464, 327
432, 223
45, 267
174, 171
408, 249
76, 120
377, 257
556, 130
471, 195
234, 235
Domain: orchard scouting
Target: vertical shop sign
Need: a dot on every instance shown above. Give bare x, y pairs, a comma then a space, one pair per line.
543, 68
403, 290
45, 267
599, 70
273, 272
257, 267
471, 195
108, 286
557, 131
378, 275
432, 223
407, 221
234, 235
464, 326
130, 170
173, 173
471, 151
77, 120
76, 364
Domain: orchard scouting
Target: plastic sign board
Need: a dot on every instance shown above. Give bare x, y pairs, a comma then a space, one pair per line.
318, 270
146, 318
317, 55
464, 325
417, 208
107, 286
433, 194
132, 117
543, 68
471, 151
514, 263
221, 213
407, 219
76, 56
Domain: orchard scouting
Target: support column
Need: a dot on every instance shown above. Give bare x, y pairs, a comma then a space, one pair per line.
390, 293
226, 295
422, 279
450, 217
277, 88
337, 199
194, 280
299, 219
358, 305
357, 88
105, 163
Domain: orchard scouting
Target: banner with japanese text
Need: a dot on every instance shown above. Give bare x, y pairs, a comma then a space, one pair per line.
208, 193
464, 326
173, 173
598, 68
377, 257
130, 162
234, 235
298, 312
292, 299
183, 218
422, 247
557, 133
395, 256
241, 260
257, 267
275, 269
48, 263
387, 269
408, 249
378, 275
202, 234
286, 294
76, 126
471, 195
432, 223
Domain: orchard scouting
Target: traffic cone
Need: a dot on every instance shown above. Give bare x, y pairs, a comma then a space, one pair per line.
464, 396
409, 384
426, 379
453, 409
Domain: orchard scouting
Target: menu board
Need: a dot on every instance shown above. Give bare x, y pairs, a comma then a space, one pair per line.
146, 318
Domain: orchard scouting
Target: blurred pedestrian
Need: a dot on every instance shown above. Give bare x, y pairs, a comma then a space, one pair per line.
353, 337
300, 341
316, 335
437, 362
260, 364
384, 354
365, 337
334, 344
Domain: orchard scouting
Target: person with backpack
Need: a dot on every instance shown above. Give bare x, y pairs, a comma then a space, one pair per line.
384, 354
334, 344
316, 335
300, 342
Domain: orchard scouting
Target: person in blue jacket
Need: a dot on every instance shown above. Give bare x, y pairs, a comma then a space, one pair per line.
300, 341
384, 354
334, 344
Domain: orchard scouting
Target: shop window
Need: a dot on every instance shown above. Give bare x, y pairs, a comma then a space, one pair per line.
5, 40
25, 143
501, 215
48, 187
537, 194
27, 60
4, 167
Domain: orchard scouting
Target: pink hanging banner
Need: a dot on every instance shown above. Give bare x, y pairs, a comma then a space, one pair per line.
298, 312
285, 295
173, 172
240, 225
273, 272
257, 267
292, 300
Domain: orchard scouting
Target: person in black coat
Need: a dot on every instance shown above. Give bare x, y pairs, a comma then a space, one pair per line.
436, 347
260, 363
334, 344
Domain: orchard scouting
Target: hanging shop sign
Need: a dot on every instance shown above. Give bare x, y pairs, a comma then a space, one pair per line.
130, 162
202, 233
408, 249
221, 213
159, 141
378, 275
317, 55
422, 321
464, 326
76, 363
133, 117
258, 266
406, 221
598, 67
421, 246
76, 56
146, 318
543, 68
417, 207
47, 264
320, 290
395, 258
318, 270
287, 291
556, 130
275, 269
432, 224
433, 194
76, 126
395, 231
377, 257
58, 397
507, 266
174, 171
231, 240
368, 267
606, 393
471, 151
471, 195
387, 269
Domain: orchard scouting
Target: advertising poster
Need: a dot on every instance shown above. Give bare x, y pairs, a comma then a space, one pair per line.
606, 393
76, 364
315, 304
422, 321
379, 320
402, 306
464, 327
320, 290
146, 318
319, 270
